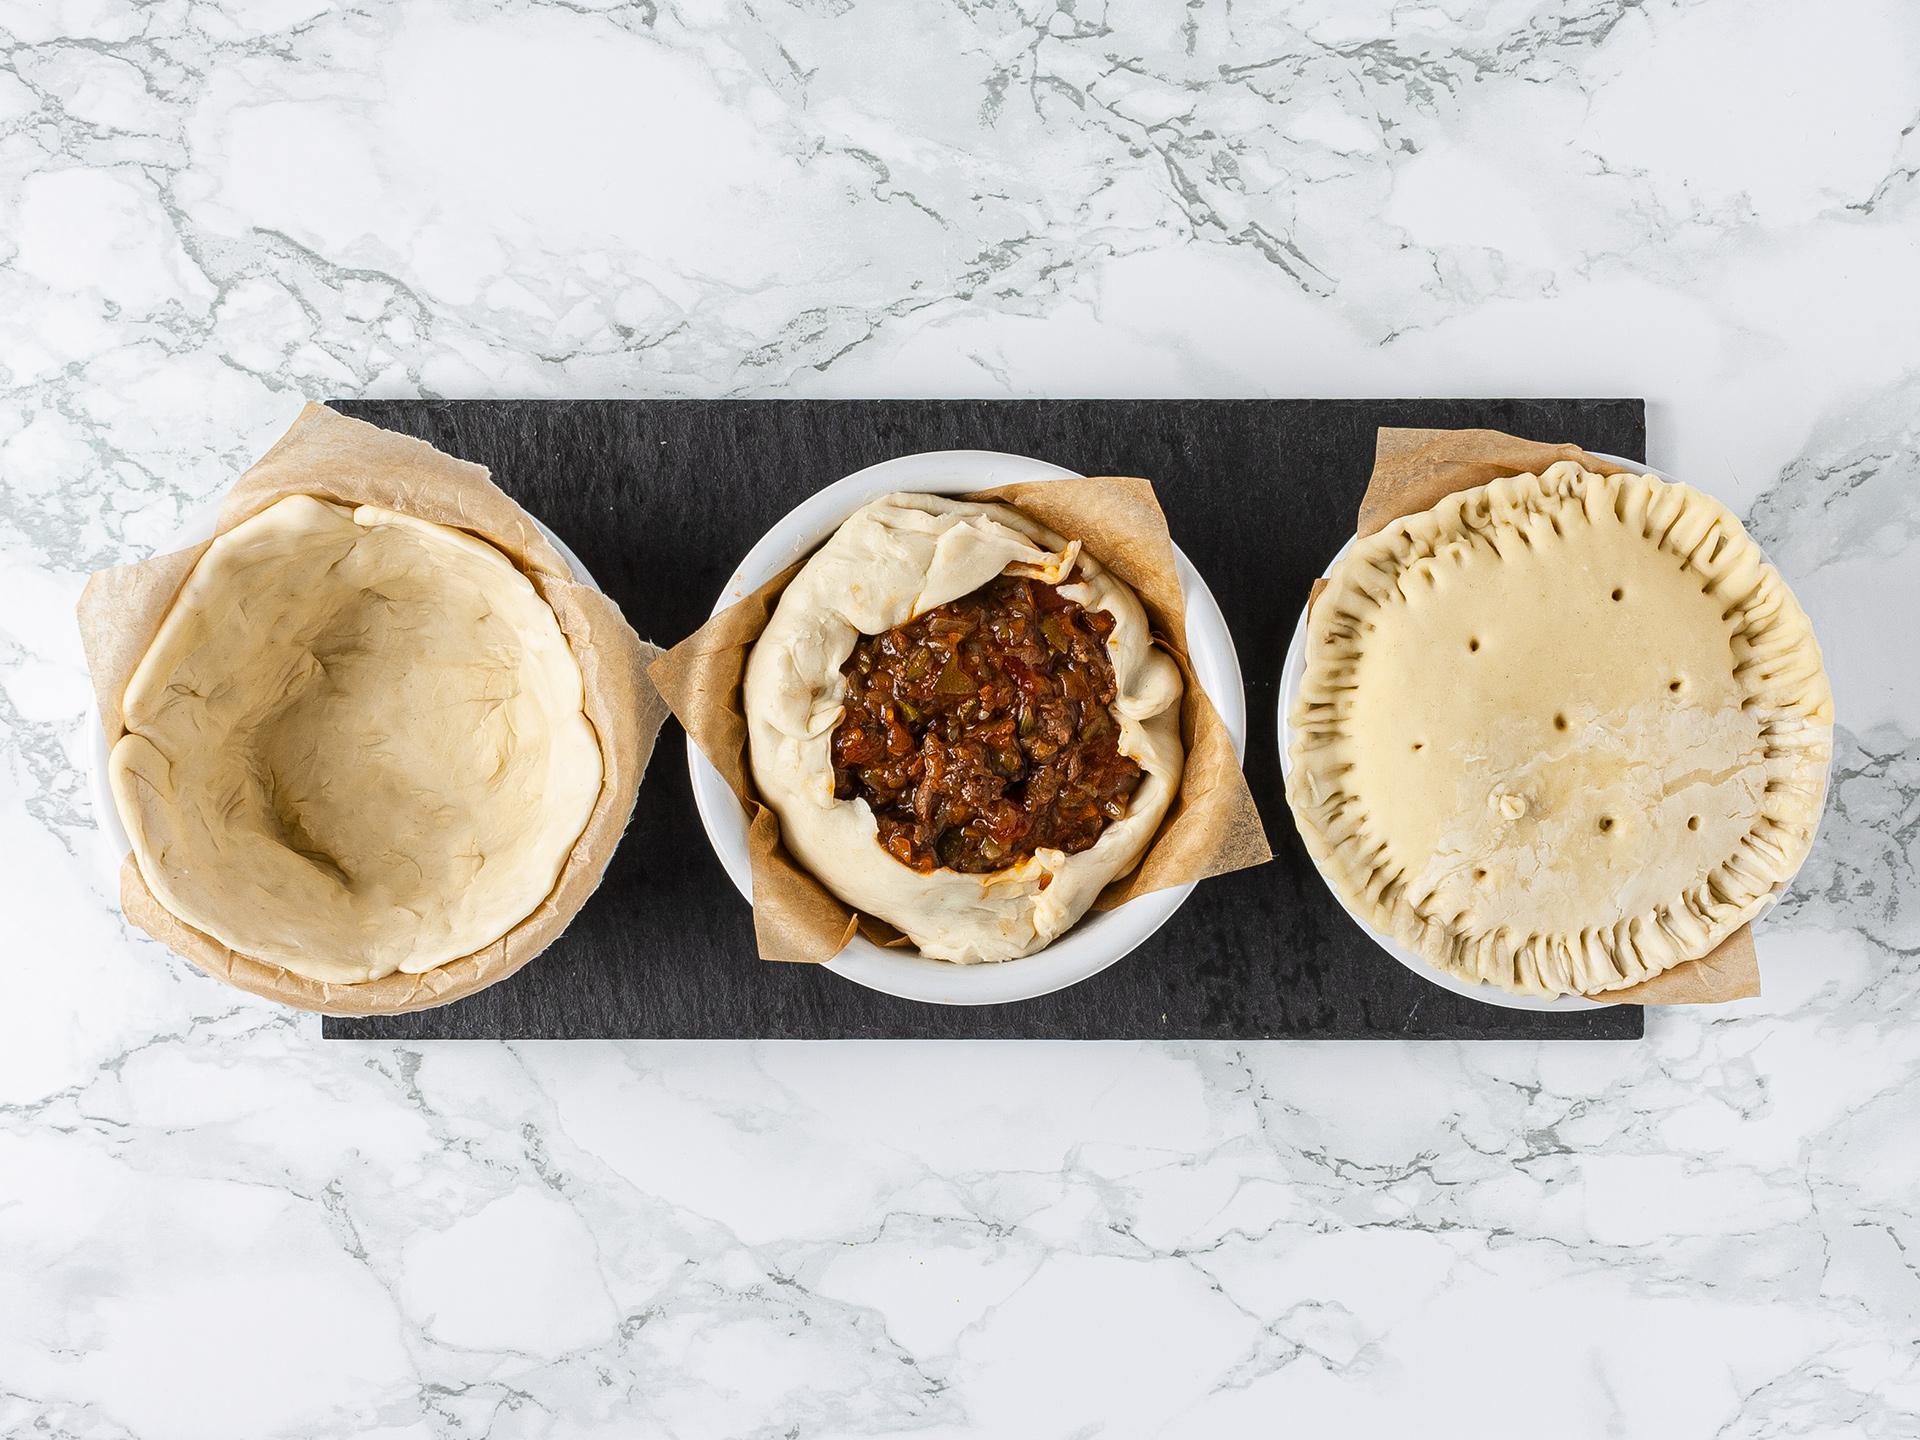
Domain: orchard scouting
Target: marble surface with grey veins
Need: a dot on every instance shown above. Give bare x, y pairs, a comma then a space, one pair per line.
212, 1224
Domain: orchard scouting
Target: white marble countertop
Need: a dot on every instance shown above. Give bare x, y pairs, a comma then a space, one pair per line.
213, 1224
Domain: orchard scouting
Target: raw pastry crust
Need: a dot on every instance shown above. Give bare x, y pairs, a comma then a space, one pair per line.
356, 745
1561, 732
892, 560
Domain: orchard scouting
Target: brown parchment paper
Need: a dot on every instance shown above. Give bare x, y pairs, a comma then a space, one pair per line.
1414, 470
1211, 828
352, 463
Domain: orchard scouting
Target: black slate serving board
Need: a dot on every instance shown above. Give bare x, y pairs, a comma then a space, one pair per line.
662, 498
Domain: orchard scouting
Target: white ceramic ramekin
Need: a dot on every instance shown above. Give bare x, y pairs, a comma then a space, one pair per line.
1099, 939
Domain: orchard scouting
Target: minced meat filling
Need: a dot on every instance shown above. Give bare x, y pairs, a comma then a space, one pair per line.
980, 732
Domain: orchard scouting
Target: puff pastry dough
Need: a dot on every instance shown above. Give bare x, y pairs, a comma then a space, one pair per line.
892, 560
1561, 732
356, 745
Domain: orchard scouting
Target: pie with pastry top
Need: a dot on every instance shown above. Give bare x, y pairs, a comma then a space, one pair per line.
1561, 732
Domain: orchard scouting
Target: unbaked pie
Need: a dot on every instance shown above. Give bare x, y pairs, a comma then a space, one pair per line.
356, 745
963, 724
1560, 733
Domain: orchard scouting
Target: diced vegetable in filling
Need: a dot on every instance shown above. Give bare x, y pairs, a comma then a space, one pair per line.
980, 732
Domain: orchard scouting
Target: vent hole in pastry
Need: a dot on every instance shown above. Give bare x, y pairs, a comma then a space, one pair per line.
1559, 722
1693, 822
1473, 644
1419, 744
1606, 823
1618, 593
1674, 685
1479, 874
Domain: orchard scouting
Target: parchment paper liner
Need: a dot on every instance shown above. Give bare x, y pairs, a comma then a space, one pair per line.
348, 461
1414, 470
1211, 828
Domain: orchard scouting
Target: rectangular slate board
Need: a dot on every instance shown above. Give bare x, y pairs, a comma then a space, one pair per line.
662, 498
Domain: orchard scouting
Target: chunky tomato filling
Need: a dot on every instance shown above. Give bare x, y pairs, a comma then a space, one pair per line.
980, 732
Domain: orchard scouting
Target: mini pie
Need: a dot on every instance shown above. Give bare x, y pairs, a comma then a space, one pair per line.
1561, 732
932, 578
356, 745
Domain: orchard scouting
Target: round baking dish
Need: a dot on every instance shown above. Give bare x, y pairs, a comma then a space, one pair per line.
1290, 675
114, 845
1100, 938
